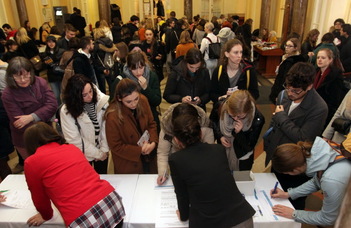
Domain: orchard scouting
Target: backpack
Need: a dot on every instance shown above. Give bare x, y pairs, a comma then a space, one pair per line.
108, 60
214, 49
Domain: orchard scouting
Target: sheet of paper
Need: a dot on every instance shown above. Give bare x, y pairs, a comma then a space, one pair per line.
166, 216
144, 138
168, 184
18, 199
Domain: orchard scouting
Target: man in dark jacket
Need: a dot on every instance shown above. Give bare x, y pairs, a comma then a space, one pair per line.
70, 32
82, 62
300, 115
345, 51
78, 22
132, 25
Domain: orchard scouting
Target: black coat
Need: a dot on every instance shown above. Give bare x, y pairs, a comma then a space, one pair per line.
28, 50
180, 85
55, 57
280, 78
202, 179
83, 65
345, 55
333, 91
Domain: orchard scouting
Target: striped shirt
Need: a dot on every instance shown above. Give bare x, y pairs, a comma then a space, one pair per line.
91, 110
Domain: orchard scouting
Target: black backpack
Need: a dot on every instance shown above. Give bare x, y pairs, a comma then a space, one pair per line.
214, 49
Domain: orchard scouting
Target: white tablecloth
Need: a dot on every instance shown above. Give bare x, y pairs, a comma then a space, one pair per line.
17, 218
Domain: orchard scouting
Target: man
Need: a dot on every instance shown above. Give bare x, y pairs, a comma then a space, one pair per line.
172, 35
9, 31
300, 115
133, 25
345, 50
235, 23
70, 32
78, 22
82, 61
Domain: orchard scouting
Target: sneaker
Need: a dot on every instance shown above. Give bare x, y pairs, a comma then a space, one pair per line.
18, 169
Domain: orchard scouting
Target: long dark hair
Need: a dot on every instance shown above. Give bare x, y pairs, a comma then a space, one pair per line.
40, 134
73, 94
193, 56
187, 129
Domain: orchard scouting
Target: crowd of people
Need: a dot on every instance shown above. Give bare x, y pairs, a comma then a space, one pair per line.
104, 91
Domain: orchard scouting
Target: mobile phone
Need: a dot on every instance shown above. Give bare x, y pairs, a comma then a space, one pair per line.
194, 99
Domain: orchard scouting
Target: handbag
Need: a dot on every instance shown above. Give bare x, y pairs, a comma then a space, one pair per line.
342, 125
36, 62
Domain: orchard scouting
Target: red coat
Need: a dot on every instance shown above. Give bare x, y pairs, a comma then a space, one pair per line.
122, 138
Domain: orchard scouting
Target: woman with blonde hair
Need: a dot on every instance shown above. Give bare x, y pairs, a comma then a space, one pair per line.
185, 44
130, 113
46, 31
26, 46
237, 124
106, 28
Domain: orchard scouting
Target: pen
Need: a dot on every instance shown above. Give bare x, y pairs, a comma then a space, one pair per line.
259, 209
255, 194
164, 174
275, 188
4, 190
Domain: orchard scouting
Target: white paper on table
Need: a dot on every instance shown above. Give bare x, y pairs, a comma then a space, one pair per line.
144, 138
166, 216
168, 184
21, 199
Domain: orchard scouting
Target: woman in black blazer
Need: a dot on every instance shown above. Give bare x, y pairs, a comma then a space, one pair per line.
206, 191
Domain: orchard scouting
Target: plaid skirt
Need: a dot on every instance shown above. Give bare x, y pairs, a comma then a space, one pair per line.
108, 212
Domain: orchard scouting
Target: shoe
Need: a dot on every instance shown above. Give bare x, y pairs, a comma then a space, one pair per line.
18, 169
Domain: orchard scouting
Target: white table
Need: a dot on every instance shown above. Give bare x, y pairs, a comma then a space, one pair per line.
17, 218
145, 198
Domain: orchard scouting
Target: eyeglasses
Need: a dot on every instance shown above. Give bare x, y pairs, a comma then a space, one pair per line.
292, 90
289, 46
240, 117
22, 76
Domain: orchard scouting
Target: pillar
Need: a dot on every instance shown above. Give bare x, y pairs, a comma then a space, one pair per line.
188, 9
22, 11
104, 10
299, 16
265, 14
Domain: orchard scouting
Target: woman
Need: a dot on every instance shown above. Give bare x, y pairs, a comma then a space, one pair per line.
310, 42
237, 124
330, 173
58, 172
292, 55
234, 72
52, 56
139, 70
155, 52
264, 35
106, 28
329, 81
167, 145
103, 61
82, 120
185, 44
272, 37
45, 32
189, 81
130, 113
26, 46
205, 47
225, 33
202, 179
199, 32
343, 113
27, 99
120, 58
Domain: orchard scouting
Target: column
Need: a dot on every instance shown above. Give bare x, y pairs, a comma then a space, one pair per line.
22, 11
104, 10
188, 9
299, 16
265, 14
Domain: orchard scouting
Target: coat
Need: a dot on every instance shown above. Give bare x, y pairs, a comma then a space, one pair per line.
86, 134
167, 145
36, 99
333, 184
122, 138
304, 123
179, 86
208, 186
83, 65
220, 83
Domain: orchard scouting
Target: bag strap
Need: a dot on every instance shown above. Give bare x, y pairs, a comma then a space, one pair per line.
176, 35
101, 61
81, 137
209, 39
219, 71
247, 79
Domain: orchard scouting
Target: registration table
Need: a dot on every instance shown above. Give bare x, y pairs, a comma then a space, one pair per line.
140, 197
268, 61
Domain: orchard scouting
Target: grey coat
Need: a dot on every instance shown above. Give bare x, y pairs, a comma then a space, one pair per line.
305, 122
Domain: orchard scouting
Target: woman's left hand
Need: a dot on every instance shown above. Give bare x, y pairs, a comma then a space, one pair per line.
147, 148
142, 82
35, 220
283, 211
22, 121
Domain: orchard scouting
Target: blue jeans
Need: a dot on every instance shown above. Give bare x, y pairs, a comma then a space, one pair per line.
56, 88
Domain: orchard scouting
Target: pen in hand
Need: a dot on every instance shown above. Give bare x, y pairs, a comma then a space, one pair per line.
275, 188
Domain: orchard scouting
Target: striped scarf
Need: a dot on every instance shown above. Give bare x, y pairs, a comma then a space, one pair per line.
90, 109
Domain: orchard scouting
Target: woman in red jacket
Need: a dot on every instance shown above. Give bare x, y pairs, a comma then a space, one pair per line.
59, 172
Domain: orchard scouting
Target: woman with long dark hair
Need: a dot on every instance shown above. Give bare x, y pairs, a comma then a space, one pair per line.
83, 122
128, 118
58, 172
189, 81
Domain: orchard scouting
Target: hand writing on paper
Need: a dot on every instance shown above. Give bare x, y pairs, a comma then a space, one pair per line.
2, 198
161, 180
283, 211
35, 220
178, 214
279, 194
22, 121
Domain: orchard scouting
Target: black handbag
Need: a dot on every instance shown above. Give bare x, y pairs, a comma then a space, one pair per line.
342, 125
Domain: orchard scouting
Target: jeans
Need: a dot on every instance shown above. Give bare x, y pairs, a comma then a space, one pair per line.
56, 88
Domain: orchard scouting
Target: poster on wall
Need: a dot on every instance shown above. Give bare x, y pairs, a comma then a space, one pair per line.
47, 13
147, 9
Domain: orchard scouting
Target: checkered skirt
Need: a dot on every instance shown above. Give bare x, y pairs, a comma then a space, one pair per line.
108, 212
